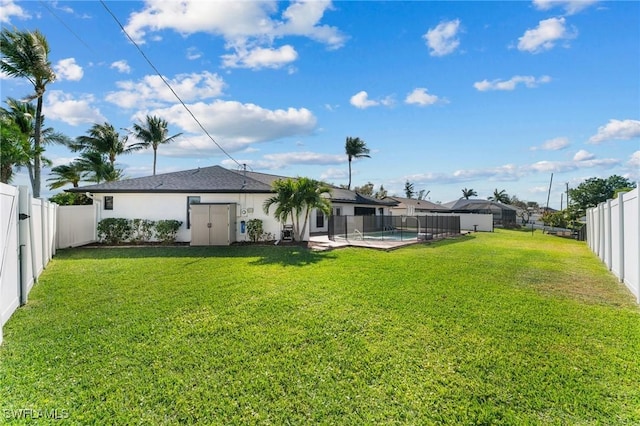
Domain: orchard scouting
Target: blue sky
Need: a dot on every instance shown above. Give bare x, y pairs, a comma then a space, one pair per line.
447, 95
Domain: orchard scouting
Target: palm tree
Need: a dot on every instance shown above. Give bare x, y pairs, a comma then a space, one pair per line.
297, 197
355, 148
14, 148
104, 139
283, 199
500, 196
409, 189
153, 132
310, 194
66, 174
466, 193
98, 168
21, 115
25, 54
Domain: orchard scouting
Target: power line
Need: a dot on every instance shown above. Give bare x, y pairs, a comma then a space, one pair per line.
66, 26
168, 85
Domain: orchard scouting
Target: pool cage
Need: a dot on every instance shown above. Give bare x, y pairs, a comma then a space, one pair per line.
393, 228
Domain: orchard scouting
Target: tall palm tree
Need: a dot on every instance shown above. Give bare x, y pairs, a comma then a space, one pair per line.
25, 54
153, 132
466, 193
297, 197
355, 148
104, 139
66, 174
500, 196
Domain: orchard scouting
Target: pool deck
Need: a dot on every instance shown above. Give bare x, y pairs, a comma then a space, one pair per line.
322, 242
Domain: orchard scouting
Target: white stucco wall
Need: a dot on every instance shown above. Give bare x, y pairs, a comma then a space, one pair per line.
472, 221
174, 206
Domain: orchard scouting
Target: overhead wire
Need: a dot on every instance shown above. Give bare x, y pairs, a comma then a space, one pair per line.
43, 3
164, 80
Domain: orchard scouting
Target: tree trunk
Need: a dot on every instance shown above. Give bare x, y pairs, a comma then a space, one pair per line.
37, 135
154, 160
349, 185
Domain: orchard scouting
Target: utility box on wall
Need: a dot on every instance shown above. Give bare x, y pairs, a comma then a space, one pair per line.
213, 224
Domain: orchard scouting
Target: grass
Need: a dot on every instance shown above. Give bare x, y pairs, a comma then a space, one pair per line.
501, 328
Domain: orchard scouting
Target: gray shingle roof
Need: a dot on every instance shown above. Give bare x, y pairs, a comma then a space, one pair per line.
206, 179
476, 204
418, 204
213, 179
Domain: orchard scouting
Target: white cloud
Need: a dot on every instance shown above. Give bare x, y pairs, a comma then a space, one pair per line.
333, 174
302, 19
617, 129
122, 66
246, 26
634, 160
260, 57
583, 155
9, 9
554, 144
361, 100
508, 172
527, 80
193, 53
152, 92
443, 39
570, 6
567, 166
281, 160
419, 96
545, 35
67, 69
63, 107
235, 125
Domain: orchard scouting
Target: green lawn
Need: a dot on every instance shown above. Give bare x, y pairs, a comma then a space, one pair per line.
493, 328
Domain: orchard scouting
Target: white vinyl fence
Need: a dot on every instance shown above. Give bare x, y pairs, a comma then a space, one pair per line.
28, 230
77, 225
613, 234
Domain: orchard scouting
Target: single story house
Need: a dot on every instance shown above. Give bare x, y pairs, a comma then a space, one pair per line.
213, 203
413, 207
503, 214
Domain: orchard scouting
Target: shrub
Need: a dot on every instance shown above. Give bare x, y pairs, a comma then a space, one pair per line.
142, 230
114, 230
255, 230
71, 199
166, 230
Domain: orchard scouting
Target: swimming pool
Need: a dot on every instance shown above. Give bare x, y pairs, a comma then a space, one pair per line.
381, 236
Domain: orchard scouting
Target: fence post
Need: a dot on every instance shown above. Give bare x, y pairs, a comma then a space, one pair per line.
601, 231
24, 241
608, 232
621, 235
637, 248
44, 221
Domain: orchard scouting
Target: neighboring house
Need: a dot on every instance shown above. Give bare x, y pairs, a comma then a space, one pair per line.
225, 200
503, 214
413, 207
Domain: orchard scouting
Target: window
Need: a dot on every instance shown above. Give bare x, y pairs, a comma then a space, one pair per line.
365, 211
191, 200
319, 219
338, 211
108, 203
